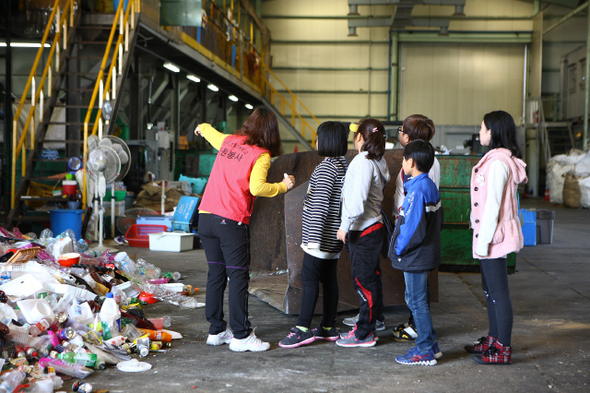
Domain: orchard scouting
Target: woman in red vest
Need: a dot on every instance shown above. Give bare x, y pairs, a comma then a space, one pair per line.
238, 175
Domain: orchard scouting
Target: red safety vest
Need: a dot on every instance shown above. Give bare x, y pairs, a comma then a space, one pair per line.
228, 191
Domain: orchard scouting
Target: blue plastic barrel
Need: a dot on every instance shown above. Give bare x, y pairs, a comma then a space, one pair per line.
62, 220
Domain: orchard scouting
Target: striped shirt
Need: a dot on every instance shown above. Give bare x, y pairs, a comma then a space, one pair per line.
321, 209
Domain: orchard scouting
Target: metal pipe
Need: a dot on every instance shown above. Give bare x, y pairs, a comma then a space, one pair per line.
524, 80
586, 90
389, 80
566, 17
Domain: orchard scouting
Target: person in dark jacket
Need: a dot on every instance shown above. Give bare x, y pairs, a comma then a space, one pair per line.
415, 246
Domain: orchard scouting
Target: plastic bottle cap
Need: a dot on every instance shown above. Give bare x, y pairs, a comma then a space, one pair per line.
110, 295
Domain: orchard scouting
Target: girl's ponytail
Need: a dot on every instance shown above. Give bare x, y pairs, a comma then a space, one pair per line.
373, 134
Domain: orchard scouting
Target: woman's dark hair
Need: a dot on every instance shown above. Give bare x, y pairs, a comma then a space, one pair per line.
332, 139
422, 153
503, 130
262, 129
419, 127
373, 133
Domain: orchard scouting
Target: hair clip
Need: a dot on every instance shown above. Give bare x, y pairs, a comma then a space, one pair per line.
375, 129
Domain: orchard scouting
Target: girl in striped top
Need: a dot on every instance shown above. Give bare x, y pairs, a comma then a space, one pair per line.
321, 220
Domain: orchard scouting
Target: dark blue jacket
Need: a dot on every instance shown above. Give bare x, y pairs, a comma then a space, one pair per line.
415, 244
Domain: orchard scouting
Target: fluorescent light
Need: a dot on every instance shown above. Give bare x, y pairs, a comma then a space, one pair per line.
212, 87
193, 78
24, 45
171, 67
233, 98
248, 106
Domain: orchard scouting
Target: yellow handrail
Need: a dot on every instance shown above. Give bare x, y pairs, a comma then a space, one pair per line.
20, 145
103, 85
293, 106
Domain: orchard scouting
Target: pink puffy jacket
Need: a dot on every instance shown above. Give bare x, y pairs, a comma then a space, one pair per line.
508, 235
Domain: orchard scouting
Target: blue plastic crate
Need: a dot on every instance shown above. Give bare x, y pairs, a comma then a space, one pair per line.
528, 220
186, 215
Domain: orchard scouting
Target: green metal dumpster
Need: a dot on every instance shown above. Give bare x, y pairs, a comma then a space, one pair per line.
456, 236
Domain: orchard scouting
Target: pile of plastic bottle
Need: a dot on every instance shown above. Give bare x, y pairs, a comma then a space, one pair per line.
73, 320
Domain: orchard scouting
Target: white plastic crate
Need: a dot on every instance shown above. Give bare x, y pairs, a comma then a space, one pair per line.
171, 241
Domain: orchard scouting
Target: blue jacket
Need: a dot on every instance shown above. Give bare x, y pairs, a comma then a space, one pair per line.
415, 244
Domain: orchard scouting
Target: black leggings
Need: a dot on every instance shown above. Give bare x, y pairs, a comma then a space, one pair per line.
314, 271
494, 280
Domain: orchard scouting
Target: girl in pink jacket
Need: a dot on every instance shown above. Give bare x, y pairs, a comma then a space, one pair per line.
496, 230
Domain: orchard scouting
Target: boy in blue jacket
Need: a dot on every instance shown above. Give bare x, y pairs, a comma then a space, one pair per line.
415, 247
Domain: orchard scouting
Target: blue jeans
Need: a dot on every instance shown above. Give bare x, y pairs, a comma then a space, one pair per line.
416, 299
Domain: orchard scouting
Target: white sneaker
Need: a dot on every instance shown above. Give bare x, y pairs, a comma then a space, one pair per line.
224, 337
250, 343
379, 325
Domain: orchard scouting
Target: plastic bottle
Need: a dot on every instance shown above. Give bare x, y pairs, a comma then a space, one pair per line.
5, 276
125, 263
157, 335
110, 317
11, 381
41, 326
149, 271
82, 359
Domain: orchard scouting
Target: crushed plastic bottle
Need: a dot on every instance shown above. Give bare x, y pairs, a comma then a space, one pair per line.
81, 246
11, 381
191, 303
46, 234
149, 271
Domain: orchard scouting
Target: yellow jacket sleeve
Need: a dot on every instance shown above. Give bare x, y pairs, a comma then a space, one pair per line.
214, 137
258, 185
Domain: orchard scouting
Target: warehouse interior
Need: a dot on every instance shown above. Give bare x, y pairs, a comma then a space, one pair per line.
144, 73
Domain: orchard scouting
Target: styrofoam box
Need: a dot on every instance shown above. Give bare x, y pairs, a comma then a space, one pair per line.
171, 241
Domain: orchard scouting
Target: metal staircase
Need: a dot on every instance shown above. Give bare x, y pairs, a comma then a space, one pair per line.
88, 62
89, 56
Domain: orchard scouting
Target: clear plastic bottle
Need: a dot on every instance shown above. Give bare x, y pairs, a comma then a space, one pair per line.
11, 381
37, 328
46, 234
149, 271
81, 246
110, 317
125, 263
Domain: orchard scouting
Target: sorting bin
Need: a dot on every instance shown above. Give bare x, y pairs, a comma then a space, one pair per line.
528, 220
455, 195
544, 226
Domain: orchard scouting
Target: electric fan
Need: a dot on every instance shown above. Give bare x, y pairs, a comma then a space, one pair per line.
103, 167
124, 154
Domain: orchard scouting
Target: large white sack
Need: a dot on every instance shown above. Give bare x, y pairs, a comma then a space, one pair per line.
582, 167
555, 180
585, 191
572, 158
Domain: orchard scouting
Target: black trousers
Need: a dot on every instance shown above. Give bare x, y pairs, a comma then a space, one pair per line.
227, 247
314, 271
494, 280
364, 248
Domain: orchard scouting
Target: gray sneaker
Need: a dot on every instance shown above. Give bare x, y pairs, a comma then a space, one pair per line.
351, 321
352, 341
379, 325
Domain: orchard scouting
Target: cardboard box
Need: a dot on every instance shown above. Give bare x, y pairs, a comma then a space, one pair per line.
171, 241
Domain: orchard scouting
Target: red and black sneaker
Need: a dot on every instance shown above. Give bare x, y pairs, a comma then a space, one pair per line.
496, 354
480, 345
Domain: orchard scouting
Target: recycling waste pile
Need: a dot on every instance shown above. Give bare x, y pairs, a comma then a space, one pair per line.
66, 312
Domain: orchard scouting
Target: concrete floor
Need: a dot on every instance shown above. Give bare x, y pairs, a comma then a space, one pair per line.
551, 337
